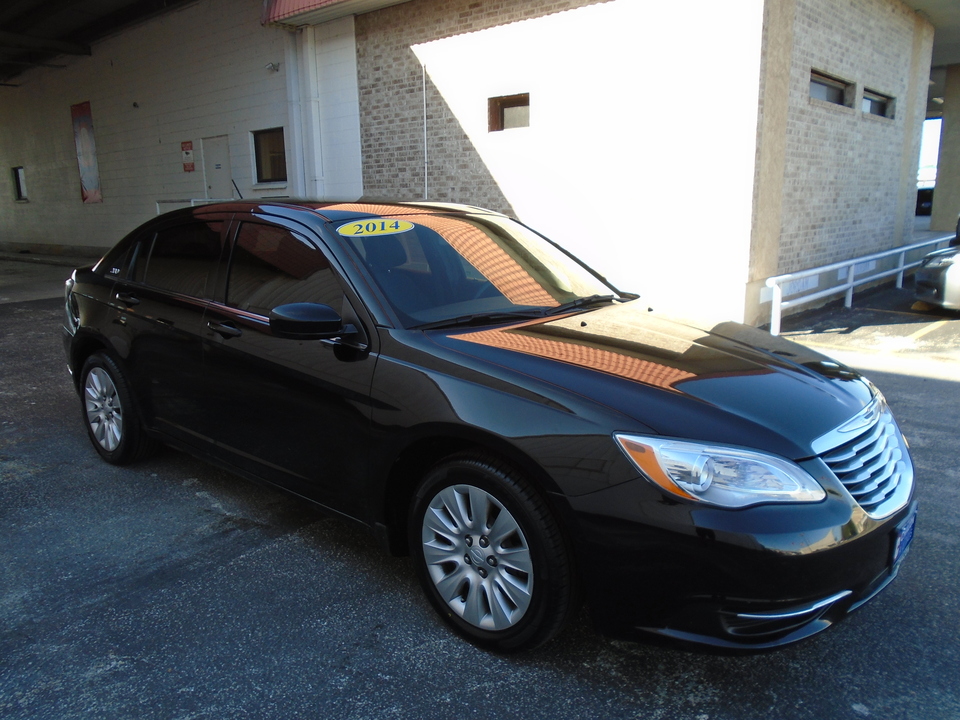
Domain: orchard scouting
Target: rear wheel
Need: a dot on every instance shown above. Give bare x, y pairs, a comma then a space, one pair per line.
109, 412
490, 556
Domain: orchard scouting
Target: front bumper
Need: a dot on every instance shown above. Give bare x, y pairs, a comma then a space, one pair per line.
938, 286
785, 573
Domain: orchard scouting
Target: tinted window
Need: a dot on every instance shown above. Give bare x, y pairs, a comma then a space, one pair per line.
114, 263
272, 266
182, 258
271, 155
434, 267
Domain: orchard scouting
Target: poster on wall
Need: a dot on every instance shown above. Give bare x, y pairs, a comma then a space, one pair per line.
86, 152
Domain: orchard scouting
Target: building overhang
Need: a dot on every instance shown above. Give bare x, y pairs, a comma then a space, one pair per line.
298, 13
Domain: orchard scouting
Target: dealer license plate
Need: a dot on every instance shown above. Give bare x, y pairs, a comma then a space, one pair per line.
904, 534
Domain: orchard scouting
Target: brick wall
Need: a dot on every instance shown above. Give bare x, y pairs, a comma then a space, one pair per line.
391, 100
842, 189
609, 167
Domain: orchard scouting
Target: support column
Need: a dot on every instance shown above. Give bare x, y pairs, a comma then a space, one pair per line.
913, 107
294, 138
946, 197
771, 157
304, 106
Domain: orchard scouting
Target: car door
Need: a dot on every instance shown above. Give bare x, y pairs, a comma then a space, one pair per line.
294, 412
171, 277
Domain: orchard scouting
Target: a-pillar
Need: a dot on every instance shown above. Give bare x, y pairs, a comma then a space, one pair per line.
946, 197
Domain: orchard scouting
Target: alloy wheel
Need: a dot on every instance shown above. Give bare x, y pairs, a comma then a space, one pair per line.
477, 557
104, 412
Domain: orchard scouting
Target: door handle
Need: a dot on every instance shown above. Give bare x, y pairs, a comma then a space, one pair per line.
128, 299
225, 330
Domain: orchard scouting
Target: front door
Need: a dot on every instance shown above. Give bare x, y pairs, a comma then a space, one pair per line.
293, 411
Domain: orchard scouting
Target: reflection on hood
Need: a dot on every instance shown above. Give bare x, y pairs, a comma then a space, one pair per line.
578, 353
625, 341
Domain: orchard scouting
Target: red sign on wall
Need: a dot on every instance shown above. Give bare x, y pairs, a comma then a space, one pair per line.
86, 153
186, 149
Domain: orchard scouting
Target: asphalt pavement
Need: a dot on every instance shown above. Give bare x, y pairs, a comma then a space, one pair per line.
174, 590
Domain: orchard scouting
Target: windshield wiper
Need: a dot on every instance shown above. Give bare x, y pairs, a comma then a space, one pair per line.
508, 315
480, 319
581, 302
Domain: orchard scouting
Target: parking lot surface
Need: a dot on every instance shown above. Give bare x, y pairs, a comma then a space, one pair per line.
171, 589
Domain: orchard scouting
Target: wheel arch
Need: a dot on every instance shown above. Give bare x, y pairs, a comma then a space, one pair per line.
429, 448
83, 346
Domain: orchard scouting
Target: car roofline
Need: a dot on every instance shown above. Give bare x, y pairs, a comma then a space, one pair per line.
317, 207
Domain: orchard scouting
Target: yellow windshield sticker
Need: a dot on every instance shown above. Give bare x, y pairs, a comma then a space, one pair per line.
369, 228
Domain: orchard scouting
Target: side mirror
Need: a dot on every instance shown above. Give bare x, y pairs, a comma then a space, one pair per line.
305, 321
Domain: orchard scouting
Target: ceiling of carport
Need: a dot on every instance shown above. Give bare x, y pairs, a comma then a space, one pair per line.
945, 16
37, 32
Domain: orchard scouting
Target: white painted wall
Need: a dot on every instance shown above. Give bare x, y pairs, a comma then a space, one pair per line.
658, 201
324, 112
339, 110
193, 73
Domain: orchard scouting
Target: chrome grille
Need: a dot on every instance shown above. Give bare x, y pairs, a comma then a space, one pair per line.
872, 462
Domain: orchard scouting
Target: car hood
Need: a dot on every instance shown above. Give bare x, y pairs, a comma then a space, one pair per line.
938, 254
732, 383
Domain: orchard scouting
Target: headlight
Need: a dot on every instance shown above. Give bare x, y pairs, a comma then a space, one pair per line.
724, 476
70, 306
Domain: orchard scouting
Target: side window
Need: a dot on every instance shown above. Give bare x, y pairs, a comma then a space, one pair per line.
139, 254
114, 263
182, 259
272, 266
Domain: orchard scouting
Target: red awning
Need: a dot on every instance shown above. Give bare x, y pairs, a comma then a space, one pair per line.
294, 13
276, 11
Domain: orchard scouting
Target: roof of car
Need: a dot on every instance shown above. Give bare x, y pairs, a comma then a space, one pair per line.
337, 210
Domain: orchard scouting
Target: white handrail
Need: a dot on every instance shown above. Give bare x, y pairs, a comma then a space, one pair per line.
193, 202
777, 282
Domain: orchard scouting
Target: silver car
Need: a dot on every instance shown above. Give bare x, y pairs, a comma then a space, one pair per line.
938, 277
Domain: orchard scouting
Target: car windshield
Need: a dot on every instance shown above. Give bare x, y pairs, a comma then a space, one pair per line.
434, 268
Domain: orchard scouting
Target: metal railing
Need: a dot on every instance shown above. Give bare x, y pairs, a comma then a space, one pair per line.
192, 202
776, 283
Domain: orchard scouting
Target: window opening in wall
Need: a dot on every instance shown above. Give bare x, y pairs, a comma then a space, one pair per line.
929, 153
509, 111
20, 183
830, 89
271, 155
876, 104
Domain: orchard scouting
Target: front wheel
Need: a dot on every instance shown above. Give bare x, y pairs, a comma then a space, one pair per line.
109, 412
490, 556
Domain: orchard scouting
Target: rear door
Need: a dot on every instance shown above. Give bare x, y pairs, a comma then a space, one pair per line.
295, 412
172, 277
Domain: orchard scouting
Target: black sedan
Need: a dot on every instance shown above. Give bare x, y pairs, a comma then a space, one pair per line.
481, 400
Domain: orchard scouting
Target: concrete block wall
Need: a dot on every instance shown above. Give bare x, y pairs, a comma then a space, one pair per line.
844, 193
608, 167
391, 81
193, 73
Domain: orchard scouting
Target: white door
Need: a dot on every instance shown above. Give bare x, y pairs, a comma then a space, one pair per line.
216, 167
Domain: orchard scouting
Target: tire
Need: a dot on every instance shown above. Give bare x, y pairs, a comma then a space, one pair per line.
110, 413
490, 556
